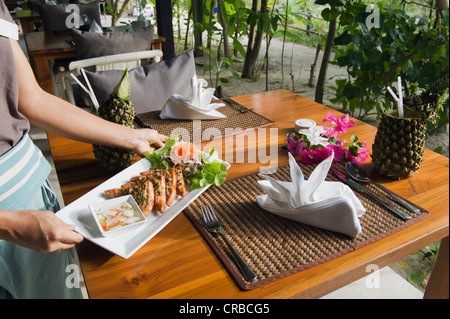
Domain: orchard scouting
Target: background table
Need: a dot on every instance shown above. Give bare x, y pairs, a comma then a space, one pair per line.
27, 19
177, 263
44, 46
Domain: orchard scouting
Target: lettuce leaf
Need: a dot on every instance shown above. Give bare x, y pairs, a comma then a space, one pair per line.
156, 158
213, 172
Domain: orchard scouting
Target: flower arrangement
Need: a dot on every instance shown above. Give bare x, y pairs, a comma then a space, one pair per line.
317, 143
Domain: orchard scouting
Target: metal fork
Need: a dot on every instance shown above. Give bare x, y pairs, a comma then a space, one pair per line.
213, 225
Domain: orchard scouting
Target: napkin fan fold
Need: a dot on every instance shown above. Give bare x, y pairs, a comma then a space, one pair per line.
316, 202
197, 106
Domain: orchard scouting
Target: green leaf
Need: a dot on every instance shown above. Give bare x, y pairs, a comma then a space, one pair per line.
418, 276
353, 150
344, 39
238, 46
236, 75
227, 61
220, 178
209, 51
377, 90
156, 157
329, 14
317, 146
333, 140
438, 149
352, 92
214, 172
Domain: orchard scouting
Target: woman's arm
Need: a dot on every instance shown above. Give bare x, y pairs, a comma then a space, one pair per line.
58, 116
42, 230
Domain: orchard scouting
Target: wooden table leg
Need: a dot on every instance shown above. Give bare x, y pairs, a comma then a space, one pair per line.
437, 287
39, 63
27, 25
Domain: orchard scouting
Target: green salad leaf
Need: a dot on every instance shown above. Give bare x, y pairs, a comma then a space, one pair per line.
157, 158
213, 172
210, 170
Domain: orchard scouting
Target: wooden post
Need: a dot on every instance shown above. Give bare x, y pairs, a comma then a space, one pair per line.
437, 287
165, 28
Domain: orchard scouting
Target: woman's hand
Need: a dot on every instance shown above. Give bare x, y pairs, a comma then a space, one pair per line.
41, 231
147, 139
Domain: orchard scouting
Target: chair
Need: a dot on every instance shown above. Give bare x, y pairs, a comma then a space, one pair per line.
110, 62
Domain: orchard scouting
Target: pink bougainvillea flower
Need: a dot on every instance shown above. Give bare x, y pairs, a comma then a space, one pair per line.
363, 154
339, 151
344, 123
295, 147
330, 131
313, 147
325, 152
340, 125
311, 156
333, 119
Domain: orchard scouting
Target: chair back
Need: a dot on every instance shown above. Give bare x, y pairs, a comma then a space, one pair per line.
110, 62
117, 61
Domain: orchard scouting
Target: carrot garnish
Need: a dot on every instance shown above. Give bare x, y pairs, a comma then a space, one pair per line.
119, 222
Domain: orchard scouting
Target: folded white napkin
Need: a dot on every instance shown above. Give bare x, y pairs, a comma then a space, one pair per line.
94, 27
316, 202
198, 106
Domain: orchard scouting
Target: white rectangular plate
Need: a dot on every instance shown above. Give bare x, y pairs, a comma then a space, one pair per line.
77, 213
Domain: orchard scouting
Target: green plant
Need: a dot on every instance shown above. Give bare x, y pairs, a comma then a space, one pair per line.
237, 26
116, 9
429, 255
218, 68
402, 45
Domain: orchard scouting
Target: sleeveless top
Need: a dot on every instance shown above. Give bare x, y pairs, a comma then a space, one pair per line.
13, 125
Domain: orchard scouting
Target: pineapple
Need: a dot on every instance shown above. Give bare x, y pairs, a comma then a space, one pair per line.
430, 102
400, 143
118, 109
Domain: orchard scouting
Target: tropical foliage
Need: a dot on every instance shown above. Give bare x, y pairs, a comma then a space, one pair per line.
401, 45
409, 39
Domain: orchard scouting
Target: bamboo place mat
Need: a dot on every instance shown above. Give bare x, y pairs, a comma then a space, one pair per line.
275, 247
235, 122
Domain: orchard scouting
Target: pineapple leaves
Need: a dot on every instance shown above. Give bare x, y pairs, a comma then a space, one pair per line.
123, 88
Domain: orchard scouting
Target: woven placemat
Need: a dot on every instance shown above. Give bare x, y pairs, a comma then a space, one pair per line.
275, 247
235, 122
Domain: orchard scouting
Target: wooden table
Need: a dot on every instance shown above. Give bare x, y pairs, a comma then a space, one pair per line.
46, 46
177, 263
27, 19
11, 5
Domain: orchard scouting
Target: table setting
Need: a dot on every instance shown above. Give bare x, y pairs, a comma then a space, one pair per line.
277, 240
336, 210
202, 107
266, 248
269, 225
